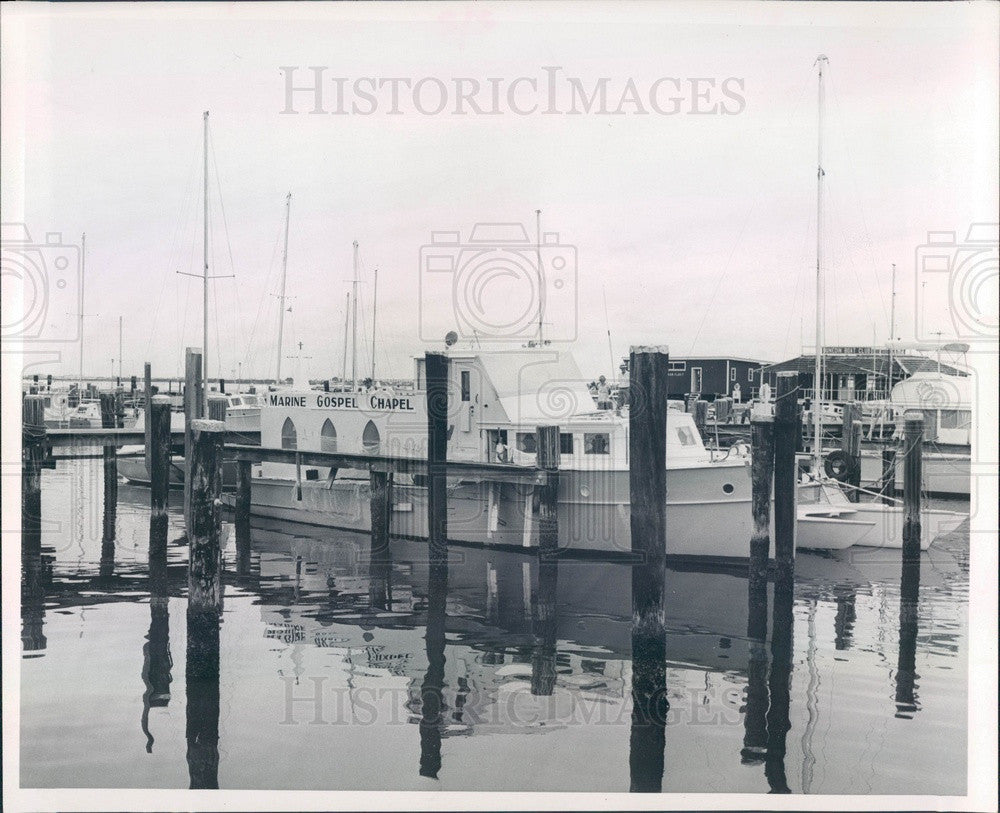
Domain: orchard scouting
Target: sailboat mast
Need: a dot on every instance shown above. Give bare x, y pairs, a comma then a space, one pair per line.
374, 318
892, 327
119, 349
204, 286
354, 321
541, 282
347, 315
284, 273
818, 367
83, 277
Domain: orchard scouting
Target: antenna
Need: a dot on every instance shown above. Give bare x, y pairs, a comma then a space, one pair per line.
541, 283
284, 272
607, 325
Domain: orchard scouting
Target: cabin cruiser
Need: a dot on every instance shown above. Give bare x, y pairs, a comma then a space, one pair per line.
497, 399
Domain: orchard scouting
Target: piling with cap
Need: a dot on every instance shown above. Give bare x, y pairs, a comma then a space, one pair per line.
786, 428
761, 481
217, 407
648, 368
108, 421
241, 520
204, 521
912, 478
193, 409
32, 454
850, 445
159, 484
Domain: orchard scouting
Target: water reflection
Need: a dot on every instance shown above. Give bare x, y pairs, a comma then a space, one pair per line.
539, 654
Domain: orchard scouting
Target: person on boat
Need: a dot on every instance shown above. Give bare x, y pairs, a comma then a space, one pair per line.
501, 451
603, 394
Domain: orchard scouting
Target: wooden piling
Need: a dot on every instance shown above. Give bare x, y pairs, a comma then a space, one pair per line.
888, 484
648, 368
108, 421
32, 453
436, 373
381, 512
912, 478
205, 552
193, 409
158, 429
244, 482
701, 416
547, 458
850, 445
762, 478
217, 407
786, 428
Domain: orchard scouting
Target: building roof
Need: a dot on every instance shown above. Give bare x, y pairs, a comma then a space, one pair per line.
864, 363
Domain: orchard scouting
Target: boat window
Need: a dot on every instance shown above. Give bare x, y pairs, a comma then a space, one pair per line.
370, 439
328, 437
686, 436
466, 385
526, 442
955, 418
596, 443
236, 402
289, 437
565, 443
930, 424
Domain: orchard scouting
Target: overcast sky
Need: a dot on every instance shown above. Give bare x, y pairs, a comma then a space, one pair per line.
699, 230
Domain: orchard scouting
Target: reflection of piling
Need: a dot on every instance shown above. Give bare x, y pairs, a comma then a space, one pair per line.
909, 591
205, 553
156, 662
32, 453
761, 477
888, 484
159, 485
108, 421
202, 685
912, 474
431, 690
648, 491
779, 687
843, 621
786, 428
244, 481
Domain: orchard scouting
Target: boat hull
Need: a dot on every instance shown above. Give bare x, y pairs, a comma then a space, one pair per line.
944, 474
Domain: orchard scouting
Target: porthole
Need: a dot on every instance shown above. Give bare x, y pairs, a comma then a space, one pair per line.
728, 488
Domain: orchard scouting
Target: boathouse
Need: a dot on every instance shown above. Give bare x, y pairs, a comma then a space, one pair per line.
857, 373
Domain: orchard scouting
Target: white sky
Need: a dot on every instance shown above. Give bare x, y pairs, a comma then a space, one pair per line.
700, 230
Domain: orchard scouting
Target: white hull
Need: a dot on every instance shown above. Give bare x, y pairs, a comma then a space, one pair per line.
479, 513
943, 473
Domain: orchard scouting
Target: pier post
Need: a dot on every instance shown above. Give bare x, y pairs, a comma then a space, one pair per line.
912, 478
850, 445
762, 478
244, 484
888, 484
543, 657
205, 552
648, 368
193, 409
436, 373
701, 416
159, 484
381, 512
786, 429
217, 407
108, 421
32, 451
147, 395
547, 459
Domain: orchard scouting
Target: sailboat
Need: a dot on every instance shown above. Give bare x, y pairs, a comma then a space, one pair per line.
887, 520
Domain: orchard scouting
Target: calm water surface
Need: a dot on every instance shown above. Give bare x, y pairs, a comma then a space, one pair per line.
339, 673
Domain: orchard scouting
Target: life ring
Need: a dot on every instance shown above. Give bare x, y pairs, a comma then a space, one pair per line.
840, 466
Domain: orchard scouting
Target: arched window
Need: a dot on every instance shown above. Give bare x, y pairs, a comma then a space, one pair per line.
371, 440
328, 437
289, 437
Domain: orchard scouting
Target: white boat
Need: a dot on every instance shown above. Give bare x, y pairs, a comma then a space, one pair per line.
503, 396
